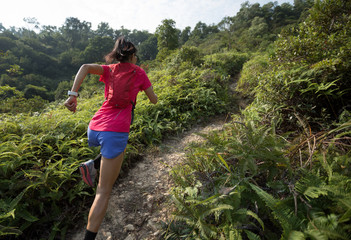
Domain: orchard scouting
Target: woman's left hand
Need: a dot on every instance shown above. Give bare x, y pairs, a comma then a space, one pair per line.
71, 103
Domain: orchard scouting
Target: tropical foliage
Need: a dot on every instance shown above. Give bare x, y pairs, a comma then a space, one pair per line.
279, 169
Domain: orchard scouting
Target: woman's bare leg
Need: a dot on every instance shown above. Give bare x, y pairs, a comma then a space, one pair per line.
109, 171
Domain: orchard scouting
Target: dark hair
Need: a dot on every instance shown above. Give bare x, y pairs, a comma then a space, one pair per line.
121, 52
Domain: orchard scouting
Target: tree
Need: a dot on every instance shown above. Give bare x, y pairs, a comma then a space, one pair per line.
76, 33
148, 49
301, 8
258, 28
184, 35
137, 37
52, 39
8, 92
97, 48
104, 30
201, 30
69, 61
6, 80
32, 22
283, 15
61, 90
37, 80
31, 91
2, 28
256, 34
246, 14
224, 24
311, 64
6, 44
167, 35
122, 32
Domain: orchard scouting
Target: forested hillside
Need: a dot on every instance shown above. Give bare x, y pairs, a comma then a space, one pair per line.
279, 170
39, 61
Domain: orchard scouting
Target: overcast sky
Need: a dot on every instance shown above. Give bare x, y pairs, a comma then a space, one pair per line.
131, 14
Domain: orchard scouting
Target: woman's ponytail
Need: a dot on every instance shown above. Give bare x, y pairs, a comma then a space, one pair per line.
121, 52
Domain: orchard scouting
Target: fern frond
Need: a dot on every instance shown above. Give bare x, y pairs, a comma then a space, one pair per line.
27, 216
282, 213
315, 192
16, 200
206, 231
296, 235
216, 209
326, 227
9, 231
252, 214
311, 186
316, 235
252, 236
8, 214
346, 203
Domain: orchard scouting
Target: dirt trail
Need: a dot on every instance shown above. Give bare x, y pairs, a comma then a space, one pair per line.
139, 201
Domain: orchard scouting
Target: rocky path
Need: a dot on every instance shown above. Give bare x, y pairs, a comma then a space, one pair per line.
139, 201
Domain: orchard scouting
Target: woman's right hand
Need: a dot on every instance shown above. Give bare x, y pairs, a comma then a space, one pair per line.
71, 103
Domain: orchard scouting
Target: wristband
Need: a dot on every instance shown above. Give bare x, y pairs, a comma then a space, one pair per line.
70, 93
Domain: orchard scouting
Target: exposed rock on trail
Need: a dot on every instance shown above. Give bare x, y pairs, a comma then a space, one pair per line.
139, 201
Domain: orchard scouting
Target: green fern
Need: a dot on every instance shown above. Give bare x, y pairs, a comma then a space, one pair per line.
252, 236
10, 207
346, 205
5, 231
296, 235
311, 185
195, 213
326, 227
285, 216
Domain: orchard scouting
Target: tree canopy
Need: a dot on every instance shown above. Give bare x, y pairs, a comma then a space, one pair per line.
48, 55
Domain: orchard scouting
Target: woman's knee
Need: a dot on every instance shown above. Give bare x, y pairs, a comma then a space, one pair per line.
103, 194
104, 191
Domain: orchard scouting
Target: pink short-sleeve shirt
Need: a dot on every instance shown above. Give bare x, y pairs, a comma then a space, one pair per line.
109, 118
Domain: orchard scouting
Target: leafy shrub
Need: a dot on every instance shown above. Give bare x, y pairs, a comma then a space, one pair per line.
184, 99
239, 184
7, 92
16, 105
248, 182
311, 67
251, 74
39, 174
228, 63
30, 91
189, 55
212, 194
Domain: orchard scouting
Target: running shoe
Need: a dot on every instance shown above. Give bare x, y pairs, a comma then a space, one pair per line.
88, 172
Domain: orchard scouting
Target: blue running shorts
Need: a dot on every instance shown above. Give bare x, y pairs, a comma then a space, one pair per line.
112, 143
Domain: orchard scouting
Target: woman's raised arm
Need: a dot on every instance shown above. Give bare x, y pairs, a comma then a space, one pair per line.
83, 72
71, 102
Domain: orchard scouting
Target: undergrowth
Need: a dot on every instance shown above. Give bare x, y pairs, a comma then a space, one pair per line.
280, 169
41, 191
248, 182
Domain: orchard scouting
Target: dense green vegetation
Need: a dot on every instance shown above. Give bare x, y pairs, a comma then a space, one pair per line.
279, 170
